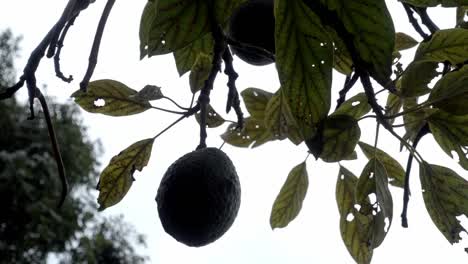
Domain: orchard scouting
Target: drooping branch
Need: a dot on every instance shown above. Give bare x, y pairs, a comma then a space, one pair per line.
233, 94
96, 44
58, 71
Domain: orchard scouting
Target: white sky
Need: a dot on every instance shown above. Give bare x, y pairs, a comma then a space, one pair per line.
313, 237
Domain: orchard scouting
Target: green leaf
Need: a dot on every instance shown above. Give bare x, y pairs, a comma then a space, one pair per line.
340, 136
395, 172
445, 195
256, 101
445, 45
393, 106
279, 120
373, 180
288, 203
186, 57
254, 133
403, 41
117, 178
200, 72
373, 35
462, 12
450, 93
342, 61
111, 98
414, 120
148, 93
451, 133
213, 119
304, 59
416, 77
178, 23
433, 3
354, 235
149, 14
355, 106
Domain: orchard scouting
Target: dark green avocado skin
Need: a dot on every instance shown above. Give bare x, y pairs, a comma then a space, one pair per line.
199, 197
253, 23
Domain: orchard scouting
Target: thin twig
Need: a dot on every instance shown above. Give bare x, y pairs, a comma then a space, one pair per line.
55, 147
176, 104
58, 71
426, 19
93, 56
413, 21
349, 83
233, 94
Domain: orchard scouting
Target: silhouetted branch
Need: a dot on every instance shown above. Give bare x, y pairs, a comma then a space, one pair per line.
96, 44
58, 71
413, 21
233, 94
349, 83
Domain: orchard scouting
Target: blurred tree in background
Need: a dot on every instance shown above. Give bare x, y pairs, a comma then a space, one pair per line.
31, 226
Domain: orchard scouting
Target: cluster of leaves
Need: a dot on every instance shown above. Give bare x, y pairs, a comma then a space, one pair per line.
357, 39
31, 226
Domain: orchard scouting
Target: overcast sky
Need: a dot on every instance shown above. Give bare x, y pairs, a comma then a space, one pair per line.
313, 237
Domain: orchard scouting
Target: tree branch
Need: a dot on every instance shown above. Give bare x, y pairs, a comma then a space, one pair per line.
413, 21
349, 83
233, 94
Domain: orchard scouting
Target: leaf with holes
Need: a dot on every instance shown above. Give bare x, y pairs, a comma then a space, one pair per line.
200, 72
355, 106
148, 93
403, 41
416, 78
445, 45
288, 203
213, 119
369, 30
373, 180
451, 133
445, 195
256, 101
279, 120
253, 134
395, 172
117, 178
450, 93
304, 60
354, 234
178, 23
340, 136
342, 61
186, 57
109, 97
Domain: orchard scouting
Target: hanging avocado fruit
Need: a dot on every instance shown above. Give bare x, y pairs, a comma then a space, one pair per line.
199, 197
253, 24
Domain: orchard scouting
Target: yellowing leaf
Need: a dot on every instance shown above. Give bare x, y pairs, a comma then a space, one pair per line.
110, 97
213, 119
288, 203
304, 59
356, 236
445, 195
199, 72
117, 177
256, 101
148, 93
450, 93
403, 41
395, 172
445, 45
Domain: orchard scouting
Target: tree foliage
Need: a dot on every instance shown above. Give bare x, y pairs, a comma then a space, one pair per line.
312, 37
31, 225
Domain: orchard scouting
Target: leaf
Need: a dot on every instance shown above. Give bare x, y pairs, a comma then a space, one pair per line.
414, 120
304, 60
416, 77
395, 172
445, 195
355, 106
186, 57
111, 98
288, 203
149, 14
370, 27
450, 93
356, 237
393, 106
148, 93
373, 180
433, 3
451, 133
279, 119
404, 41
340, 136
461, 14
445, 45
117, 178
253, 134
342, 61
256, 101
178, 23
213, 119
200, 72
